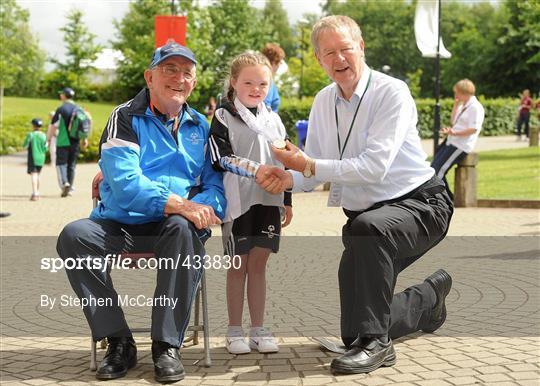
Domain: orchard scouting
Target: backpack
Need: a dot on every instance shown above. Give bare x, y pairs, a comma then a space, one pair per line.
80, 124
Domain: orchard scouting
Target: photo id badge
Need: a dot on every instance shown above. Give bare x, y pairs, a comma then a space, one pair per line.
334, 197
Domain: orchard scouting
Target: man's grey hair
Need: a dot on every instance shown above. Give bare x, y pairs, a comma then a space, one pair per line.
340, 23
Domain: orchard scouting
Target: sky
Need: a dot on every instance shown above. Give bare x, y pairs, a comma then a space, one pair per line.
48, 16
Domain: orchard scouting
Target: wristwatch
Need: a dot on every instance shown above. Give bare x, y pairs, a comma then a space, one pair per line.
307, 171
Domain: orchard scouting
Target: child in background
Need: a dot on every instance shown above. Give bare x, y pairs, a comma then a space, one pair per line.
52, 133
36, 142
241, 132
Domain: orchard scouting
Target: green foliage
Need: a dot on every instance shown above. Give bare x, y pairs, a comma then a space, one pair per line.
500, 115
135, 39
292, 110
81, 51
414, 82
305, 69
497, 46
14, 129
20, 111
276, 16
21, 60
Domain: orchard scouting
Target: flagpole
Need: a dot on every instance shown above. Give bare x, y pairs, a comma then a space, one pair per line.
437, 123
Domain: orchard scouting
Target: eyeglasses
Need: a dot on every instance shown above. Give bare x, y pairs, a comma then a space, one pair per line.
171, 71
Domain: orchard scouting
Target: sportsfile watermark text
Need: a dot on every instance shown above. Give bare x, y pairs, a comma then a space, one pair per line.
117, 261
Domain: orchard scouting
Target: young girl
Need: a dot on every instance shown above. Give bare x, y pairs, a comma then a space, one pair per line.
36, 142
241, 133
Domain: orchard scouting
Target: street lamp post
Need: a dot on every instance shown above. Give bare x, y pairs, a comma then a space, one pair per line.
301, 65
302, 23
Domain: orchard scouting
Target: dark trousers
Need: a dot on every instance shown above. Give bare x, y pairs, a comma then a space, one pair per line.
380, 242
174, 237
523, 119
66, 161
446, 157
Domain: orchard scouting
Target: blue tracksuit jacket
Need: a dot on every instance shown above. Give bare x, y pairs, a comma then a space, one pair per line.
142, 164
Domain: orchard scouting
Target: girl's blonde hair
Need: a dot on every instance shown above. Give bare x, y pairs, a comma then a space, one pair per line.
245, 59
465, 86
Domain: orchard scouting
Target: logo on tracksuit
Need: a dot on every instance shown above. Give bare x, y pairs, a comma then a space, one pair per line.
194, 138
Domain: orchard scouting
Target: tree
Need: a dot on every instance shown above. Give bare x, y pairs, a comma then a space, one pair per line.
135, 39
515, 64
276, 17
305, 68
21, 60
237, 27
81, 51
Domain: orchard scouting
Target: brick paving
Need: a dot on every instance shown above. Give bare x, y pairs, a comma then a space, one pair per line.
492, 334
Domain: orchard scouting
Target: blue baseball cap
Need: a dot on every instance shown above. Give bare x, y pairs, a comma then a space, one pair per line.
36, 122
68, 92
169, 50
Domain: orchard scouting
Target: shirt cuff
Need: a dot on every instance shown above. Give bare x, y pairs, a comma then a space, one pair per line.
298, 181
325, 169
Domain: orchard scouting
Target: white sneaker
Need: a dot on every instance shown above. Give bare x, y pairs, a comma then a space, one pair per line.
236, 343
263, 341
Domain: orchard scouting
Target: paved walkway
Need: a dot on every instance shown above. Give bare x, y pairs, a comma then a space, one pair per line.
492, 334
486, 143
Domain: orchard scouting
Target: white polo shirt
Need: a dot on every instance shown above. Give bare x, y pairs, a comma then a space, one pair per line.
383, 158
468, 116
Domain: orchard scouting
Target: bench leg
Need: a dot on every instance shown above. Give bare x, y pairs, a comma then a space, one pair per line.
206, 330
93, 364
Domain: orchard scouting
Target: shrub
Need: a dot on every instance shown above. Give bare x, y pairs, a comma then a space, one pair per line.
500, 113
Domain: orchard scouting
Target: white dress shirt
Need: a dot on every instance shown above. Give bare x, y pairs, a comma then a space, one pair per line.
383, 159
468, 116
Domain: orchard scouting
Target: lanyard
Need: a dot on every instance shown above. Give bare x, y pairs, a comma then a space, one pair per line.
459, 115
341, 151
174, 130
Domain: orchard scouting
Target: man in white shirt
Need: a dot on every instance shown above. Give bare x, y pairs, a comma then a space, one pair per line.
467, 118
362, 137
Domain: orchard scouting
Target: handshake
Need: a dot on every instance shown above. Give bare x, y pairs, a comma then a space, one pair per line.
276, 180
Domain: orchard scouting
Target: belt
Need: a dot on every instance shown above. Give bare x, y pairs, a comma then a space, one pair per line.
429, 188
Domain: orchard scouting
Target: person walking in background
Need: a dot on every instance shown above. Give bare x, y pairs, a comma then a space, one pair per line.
36, 142
52, 133
241, 132
524, 114
67, 148
275, 54
467, 118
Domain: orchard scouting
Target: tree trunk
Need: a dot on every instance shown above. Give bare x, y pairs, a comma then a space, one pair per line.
1, 105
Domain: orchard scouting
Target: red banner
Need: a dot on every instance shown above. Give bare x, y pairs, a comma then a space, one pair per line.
170, 28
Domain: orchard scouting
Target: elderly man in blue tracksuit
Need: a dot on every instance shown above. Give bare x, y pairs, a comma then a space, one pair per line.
159, 194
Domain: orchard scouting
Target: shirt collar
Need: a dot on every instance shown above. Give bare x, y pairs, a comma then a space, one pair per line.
360, 86
471, 100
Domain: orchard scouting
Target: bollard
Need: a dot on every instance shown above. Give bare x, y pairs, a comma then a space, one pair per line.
533, 136
465, 182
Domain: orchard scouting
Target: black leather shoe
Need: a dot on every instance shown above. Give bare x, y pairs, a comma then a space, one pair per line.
441, 281
167, 364
119, 358
365, 355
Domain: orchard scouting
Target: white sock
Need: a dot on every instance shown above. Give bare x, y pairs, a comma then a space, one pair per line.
235, 331
258, 331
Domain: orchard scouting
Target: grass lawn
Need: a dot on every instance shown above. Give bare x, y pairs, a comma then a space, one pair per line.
507, 174
502, 174
18, 112
40, 108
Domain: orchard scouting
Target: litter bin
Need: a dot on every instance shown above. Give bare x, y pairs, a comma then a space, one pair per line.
302, 127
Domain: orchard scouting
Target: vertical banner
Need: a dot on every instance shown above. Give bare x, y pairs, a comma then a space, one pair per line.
170, 28
426, 29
